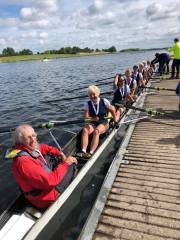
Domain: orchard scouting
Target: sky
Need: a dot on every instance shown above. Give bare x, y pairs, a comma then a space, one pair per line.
41, 25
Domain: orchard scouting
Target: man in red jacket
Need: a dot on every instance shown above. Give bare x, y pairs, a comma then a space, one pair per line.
40, 184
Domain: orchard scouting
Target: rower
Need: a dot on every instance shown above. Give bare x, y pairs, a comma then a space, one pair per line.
96, 108
131, 83
137, 76
39, 183
121, 95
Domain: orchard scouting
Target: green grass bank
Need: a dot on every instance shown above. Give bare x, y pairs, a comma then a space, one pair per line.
45, 56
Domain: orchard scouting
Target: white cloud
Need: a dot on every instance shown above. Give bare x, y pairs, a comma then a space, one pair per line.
93, 23
43, 35
28, 13
47, 5
8, 22
41, 41
35, 24
41, 14
32, 34
2, 41
35, 34
157, 11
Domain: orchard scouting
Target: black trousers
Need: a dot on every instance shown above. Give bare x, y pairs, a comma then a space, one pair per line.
175, 67
67, 179
163, 65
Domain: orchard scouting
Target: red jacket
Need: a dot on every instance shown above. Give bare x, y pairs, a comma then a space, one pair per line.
30, 174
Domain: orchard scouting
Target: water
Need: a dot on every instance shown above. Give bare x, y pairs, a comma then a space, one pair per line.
25, 85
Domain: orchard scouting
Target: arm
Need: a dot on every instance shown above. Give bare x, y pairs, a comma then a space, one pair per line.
44, 148
156, 60
134, 87
32, 171
86, 110
86, 114
129, 98
171, 49
112, 111
115, 82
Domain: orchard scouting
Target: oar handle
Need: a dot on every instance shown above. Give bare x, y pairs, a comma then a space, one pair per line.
159, 89
48, 125
150, 111
91, 119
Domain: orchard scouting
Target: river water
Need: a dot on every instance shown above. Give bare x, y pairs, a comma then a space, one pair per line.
26, 85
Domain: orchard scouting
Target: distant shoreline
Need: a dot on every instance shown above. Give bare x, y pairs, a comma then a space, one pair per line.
46, 57
141, 49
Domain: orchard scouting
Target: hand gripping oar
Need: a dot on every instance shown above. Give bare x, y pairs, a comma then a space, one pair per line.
86, 120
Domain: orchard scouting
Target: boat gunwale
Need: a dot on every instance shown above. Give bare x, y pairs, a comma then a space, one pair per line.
94, 216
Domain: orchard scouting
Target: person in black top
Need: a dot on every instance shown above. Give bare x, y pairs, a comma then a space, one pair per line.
163, 59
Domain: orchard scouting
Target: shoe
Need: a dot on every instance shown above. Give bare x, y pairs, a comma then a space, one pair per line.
80, 154
88, 155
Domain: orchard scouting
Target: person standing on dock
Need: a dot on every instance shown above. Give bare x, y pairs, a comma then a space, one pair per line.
163, 59
176, 61
39, 183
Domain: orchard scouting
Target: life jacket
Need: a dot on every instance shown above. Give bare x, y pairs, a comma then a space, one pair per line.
103, 110
14, 153
120, 94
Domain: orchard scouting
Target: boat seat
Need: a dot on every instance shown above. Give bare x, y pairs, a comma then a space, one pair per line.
33, 212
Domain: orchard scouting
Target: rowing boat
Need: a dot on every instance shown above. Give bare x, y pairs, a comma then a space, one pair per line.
22, 221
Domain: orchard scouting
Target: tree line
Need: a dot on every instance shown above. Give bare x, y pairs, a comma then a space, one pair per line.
9, 51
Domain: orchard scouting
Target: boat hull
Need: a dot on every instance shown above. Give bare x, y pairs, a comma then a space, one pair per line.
79, 203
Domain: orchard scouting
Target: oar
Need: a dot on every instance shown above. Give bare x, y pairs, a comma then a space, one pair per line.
52, 124
149, 111
47, 125
100, 80
153, 112
98, 84
63, 123
159, 89
72, 98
